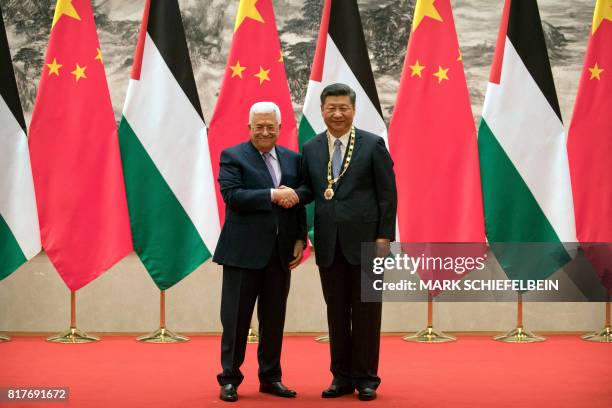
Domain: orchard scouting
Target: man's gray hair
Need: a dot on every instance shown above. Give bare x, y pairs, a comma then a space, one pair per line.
264, 107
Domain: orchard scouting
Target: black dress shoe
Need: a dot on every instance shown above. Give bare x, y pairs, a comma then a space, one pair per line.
277, 388
367, 394
229, 393
335, 391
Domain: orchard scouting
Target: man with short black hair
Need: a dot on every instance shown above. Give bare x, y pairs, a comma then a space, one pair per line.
348, 173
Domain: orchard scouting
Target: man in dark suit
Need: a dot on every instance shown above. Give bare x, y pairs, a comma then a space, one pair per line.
348, 173
260, 243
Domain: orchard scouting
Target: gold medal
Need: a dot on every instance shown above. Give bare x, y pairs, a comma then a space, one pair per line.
328, 194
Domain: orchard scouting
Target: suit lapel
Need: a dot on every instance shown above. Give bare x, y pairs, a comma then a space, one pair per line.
254, 157
282, 162
355, 157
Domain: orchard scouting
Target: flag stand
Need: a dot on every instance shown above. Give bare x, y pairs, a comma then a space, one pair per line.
519, 335
429, 335
252, 337
72, 335
162, 335
604, 335
4, 338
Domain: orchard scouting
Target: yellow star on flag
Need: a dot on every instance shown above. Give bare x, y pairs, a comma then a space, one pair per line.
99, 55
603, 11
64, 8
281, 59
237, 69
247, 9
262, 75
54, 67
79, 72
424, 8
416, 69
460, 57
441, 74
595, 72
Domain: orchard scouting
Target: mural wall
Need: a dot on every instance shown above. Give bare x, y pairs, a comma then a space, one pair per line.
209, 25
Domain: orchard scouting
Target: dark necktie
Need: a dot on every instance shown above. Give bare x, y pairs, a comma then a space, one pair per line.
337, 159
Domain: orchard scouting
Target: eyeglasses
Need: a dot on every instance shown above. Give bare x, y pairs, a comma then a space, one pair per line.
269, 128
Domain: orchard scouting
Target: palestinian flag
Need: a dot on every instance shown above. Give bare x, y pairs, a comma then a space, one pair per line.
19, 233
164, 149
590, 146
523, 158
341, 56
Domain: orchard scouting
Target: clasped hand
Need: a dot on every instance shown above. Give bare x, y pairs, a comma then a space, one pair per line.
285, 197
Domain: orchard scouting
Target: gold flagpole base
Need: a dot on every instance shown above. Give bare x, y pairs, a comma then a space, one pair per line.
603, 336
429, 335
162, 335
322, 339
253, 337
73, 335
4, 338
519, 335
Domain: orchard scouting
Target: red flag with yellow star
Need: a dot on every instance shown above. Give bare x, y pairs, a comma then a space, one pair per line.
432, 137
255, 72
590, 146
74, 151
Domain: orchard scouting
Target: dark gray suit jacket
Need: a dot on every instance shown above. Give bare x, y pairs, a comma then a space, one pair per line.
365, 202
253, 224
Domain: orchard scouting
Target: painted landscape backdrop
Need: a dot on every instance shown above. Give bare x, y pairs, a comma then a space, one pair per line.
209, 25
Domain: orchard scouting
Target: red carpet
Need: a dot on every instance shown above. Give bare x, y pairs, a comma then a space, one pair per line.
473, 372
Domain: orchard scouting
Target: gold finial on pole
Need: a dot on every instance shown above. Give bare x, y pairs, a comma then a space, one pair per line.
604, 335
162, 335
429, 335
519, 334
252, 337
73, 335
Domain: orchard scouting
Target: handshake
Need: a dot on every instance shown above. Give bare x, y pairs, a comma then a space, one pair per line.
285, 197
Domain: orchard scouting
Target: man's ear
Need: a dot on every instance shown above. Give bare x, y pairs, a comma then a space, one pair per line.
279, 128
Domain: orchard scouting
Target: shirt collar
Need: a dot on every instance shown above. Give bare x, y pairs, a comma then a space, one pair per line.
272, 153
343, 139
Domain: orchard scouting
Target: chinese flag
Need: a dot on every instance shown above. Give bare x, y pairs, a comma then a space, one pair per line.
254, 73
75, 153
590, 146
432, 137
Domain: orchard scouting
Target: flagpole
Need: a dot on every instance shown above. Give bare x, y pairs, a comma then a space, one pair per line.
429, 335
519, 334
604, 335
162, 335
73, 335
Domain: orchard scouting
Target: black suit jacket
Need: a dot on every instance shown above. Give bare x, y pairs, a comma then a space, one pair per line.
364, 205
253, 224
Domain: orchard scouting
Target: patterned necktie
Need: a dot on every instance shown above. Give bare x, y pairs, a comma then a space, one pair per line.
268, 160
336, 159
